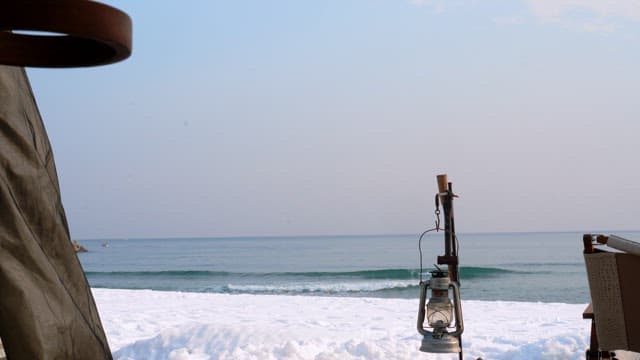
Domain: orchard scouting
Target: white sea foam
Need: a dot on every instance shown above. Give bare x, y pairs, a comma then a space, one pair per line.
326, 287
144, 324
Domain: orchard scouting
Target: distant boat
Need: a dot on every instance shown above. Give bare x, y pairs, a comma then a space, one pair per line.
105, 244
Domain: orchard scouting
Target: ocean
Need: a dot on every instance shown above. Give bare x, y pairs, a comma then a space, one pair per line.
533, 267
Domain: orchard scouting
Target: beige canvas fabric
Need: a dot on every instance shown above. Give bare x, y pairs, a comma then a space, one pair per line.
47, 310
615, 296
606, 299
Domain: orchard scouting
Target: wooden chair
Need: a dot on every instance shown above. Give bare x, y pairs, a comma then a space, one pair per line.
614, 284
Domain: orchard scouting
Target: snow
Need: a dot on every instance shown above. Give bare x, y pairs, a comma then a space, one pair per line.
145, 324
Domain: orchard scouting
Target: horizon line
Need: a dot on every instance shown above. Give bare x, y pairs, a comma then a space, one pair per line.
353, 235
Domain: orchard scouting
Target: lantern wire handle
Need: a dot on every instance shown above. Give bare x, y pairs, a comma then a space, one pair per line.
437, 228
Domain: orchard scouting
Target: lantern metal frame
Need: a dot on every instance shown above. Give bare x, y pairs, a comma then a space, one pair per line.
440, 340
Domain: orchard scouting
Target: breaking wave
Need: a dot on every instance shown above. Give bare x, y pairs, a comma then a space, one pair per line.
382, 274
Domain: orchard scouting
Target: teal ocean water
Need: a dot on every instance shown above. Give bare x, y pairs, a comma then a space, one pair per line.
546, 267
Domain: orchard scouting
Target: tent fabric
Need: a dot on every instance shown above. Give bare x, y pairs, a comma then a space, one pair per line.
47, 310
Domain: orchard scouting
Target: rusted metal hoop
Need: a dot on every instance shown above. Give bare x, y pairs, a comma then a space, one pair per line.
85, 33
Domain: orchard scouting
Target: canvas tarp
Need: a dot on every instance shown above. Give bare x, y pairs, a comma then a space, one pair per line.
47, 310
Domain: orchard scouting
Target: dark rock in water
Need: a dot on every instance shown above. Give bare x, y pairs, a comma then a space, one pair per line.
77, 247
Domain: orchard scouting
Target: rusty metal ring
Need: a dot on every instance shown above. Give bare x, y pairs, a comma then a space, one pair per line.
69, 33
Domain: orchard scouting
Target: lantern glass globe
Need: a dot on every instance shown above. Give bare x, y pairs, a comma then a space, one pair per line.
439, 312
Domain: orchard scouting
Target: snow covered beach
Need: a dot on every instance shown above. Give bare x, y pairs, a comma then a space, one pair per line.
145, 324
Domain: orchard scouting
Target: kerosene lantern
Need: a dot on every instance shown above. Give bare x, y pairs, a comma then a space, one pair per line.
440, 313
442, 332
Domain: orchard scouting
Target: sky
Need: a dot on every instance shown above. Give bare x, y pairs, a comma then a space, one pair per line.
256, 118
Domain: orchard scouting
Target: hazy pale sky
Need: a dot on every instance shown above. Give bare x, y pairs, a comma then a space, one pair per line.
334, 117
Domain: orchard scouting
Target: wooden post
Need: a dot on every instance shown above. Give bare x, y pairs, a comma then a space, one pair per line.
442, 183
445, 200
450, 258
587, 242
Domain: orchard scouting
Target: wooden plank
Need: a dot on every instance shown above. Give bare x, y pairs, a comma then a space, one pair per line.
588, 312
